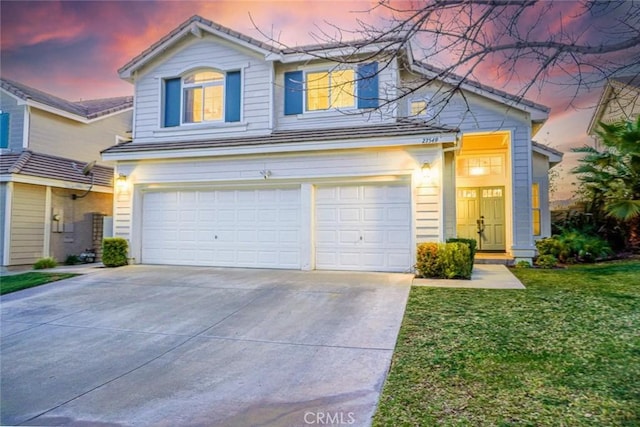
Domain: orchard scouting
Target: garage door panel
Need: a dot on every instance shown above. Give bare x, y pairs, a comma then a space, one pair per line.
363, 227
248, 228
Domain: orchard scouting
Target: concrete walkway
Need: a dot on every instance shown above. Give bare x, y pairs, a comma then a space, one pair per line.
484, 276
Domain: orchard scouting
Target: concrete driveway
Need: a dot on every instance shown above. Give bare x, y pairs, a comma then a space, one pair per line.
185, 346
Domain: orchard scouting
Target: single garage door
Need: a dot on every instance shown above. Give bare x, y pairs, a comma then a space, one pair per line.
363, 227
224, 228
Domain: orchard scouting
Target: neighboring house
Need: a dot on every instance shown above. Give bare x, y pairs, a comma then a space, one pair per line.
46, 142
245, 155
620, 100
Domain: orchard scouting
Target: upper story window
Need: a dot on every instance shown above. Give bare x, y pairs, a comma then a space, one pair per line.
421, 108
330, 89
202, 96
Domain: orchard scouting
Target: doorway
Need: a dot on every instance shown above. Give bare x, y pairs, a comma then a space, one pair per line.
480, 215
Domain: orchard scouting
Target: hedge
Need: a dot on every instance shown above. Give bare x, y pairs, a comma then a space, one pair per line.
114, 252
444, 260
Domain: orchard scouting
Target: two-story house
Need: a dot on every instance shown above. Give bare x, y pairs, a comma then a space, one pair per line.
53, 201
246, 155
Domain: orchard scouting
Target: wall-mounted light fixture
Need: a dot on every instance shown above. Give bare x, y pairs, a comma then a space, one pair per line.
265, 173
426, 170
121, 182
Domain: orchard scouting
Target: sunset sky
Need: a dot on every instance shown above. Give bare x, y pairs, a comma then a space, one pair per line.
73, 49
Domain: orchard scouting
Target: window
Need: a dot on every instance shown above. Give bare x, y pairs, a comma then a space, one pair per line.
4, 130
481, 166
333, 89
535, 205
202, 96
418, 107
326, 90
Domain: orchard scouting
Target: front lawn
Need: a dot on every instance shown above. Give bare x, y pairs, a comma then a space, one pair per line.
29, 280
566, 351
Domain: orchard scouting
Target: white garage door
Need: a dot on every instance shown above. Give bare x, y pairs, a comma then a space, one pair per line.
363, 227
225, 228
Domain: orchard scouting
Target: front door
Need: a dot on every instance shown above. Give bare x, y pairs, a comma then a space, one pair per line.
480, 216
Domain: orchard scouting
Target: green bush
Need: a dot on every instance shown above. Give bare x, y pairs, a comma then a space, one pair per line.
546, 261
45, 263
72, 260
472, 243
574, 246
523, 264
114, 252
444, 260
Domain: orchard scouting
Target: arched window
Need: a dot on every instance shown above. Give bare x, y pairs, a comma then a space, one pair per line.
203, 96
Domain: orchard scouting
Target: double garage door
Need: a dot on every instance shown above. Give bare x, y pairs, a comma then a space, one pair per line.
355, 227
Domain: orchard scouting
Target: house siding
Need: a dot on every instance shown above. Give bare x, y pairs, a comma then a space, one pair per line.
27, 225
9, 104
59, 136
3, 218
541, 177
473, 114
189, 55
387, 81
329, 167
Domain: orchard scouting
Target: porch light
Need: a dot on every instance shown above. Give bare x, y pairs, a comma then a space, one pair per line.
426, 170
121, 182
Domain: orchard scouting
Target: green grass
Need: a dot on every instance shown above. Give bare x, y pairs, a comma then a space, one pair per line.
564, 352
29, 280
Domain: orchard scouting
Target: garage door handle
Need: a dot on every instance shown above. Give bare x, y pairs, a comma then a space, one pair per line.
215, 237
360, 237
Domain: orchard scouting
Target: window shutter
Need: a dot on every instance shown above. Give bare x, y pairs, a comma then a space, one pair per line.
368, 85
293, 92
172, 88
233, 97
4, 130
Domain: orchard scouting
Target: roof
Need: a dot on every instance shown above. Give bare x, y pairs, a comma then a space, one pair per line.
89, 109
400, 128
554, 155
633, 80
630, 82
52, 167
456, 79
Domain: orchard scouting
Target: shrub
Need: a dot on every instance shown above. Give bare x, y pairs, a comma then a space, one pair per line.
472, 243
546, 261
114, 252
523, 264
72, 260
574, 246
444, 260
45, 263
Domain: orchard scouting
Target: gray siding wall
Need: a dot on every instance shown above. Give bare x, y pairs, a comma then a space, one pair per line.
59, 136
27, 225
474, 113
9, 104
190, 55
388, 79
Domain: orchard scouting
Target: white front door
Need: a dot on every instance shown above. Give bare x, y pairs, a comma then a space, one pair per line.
225, 228
363, 227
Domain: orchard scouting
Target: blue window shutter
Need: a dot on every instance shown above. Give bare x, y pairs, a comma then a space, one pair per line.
293, 92
233, 97
172, 88
4, 130
368, 85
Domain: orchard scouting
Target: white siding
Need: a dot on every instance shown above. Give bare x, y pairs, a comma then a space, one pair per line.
190, 55
387, 81
8, 104
59, 136
541, 176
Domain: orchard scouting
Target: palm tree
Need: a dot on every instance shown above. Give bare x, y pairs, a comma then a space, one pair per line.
610, 177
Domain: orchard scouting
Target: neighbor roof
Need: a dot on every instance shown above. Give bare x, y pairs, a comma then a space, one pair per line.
52, 167
631, 82
399, 128
89, 109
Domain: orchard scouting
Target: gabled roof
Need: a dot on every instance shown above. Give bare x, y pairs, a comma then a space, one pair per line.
87, 110
52, 167
631, 83
538, 112
396, 129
